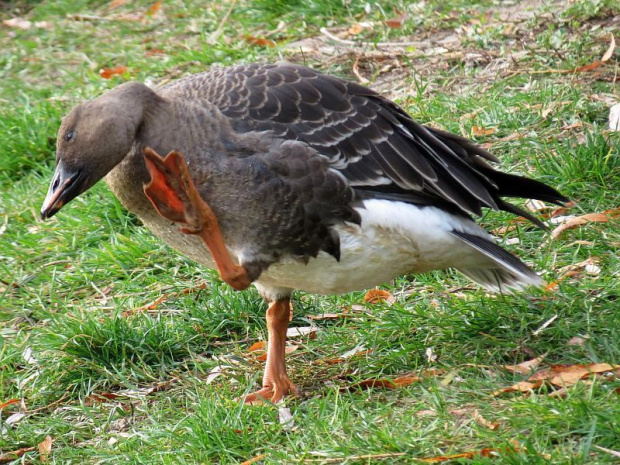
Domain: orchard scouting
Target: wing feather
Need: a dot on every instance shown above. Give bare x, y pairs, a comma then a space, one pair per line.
369, 139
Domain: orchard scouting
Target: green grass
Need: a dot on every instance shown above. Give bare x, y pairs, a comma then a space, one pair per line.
69, 287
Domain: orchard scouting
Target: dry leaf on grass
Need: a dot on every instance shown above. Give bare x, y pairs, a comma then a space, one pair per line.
45, 448
15, 418
374, 296
9, 457
107, 73
568, 375
162, 298
559, 211
153, 52
610, 50
575, 221
397, 22
474, 414
259, 41
481, 131
527, 367
18, 23
561, 376
534, 205
577, 341
254, 459
355, 29
116, 4
589, 67
8, 402
154, 8
260, 345
486, 452
589, 266
98, 398
301, 331
289, 349
396, 383
521, 386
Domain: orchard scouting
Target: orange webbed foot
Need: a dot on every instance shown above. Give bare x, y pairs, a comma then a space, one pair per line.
272, 392
175, 197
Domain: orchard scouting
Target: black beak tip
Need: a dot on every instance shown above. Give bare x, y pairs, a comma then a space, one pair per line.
47, 214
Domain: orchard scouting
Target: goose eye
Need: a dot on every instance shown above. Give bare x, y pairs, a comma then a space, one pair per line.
69, 136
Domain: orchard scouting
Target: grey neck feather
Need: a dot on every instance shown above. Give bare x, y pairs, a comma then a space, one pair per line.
196, 129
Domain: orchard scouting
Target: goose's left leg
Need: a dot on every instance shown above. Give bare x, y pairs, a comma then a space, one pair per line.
276, 383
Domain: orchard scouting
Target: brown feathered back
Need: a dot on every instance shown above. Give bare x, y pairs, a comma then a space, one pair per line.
375, 144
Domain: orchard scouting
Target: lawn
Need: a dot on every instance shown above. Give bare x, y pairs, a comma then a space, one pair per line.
117, 349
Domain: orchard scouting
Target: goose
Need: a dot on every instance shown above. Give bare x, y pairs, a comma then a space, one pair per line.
290, 179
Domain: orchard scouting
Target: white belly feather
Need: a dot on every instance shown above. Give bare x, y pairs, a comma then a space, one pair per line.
394, 238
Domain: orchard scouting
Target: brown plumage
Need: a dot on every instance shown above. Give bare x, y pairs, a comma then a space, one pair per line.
316, 183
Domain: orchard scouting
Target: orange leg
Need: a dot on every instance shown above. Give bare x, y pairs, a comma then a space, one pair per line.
176, 198
276, 383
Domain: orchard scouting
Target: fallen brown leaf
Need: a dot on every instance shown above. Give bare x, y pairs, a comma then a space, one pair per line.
45, 448
486, 452
568, 375
254, 459
610, 50
154, 52
534, 205
397, 22
474, 414
592, 66
576, 341
287, 350
154, 8
260, 41
260, 345
355, 29
590, 266
9, 402
521, 386
562, 392
374, 296
155, 304
527, 367
107, 73
116, 3
8, 457
97, 398
18, 23
559, 376
613, 213
301, 331
481, 131
478, 418
573, 222
396, 383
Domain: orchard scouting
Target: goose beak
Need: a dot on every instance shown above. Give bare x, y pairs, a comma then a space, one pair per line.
65, 186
